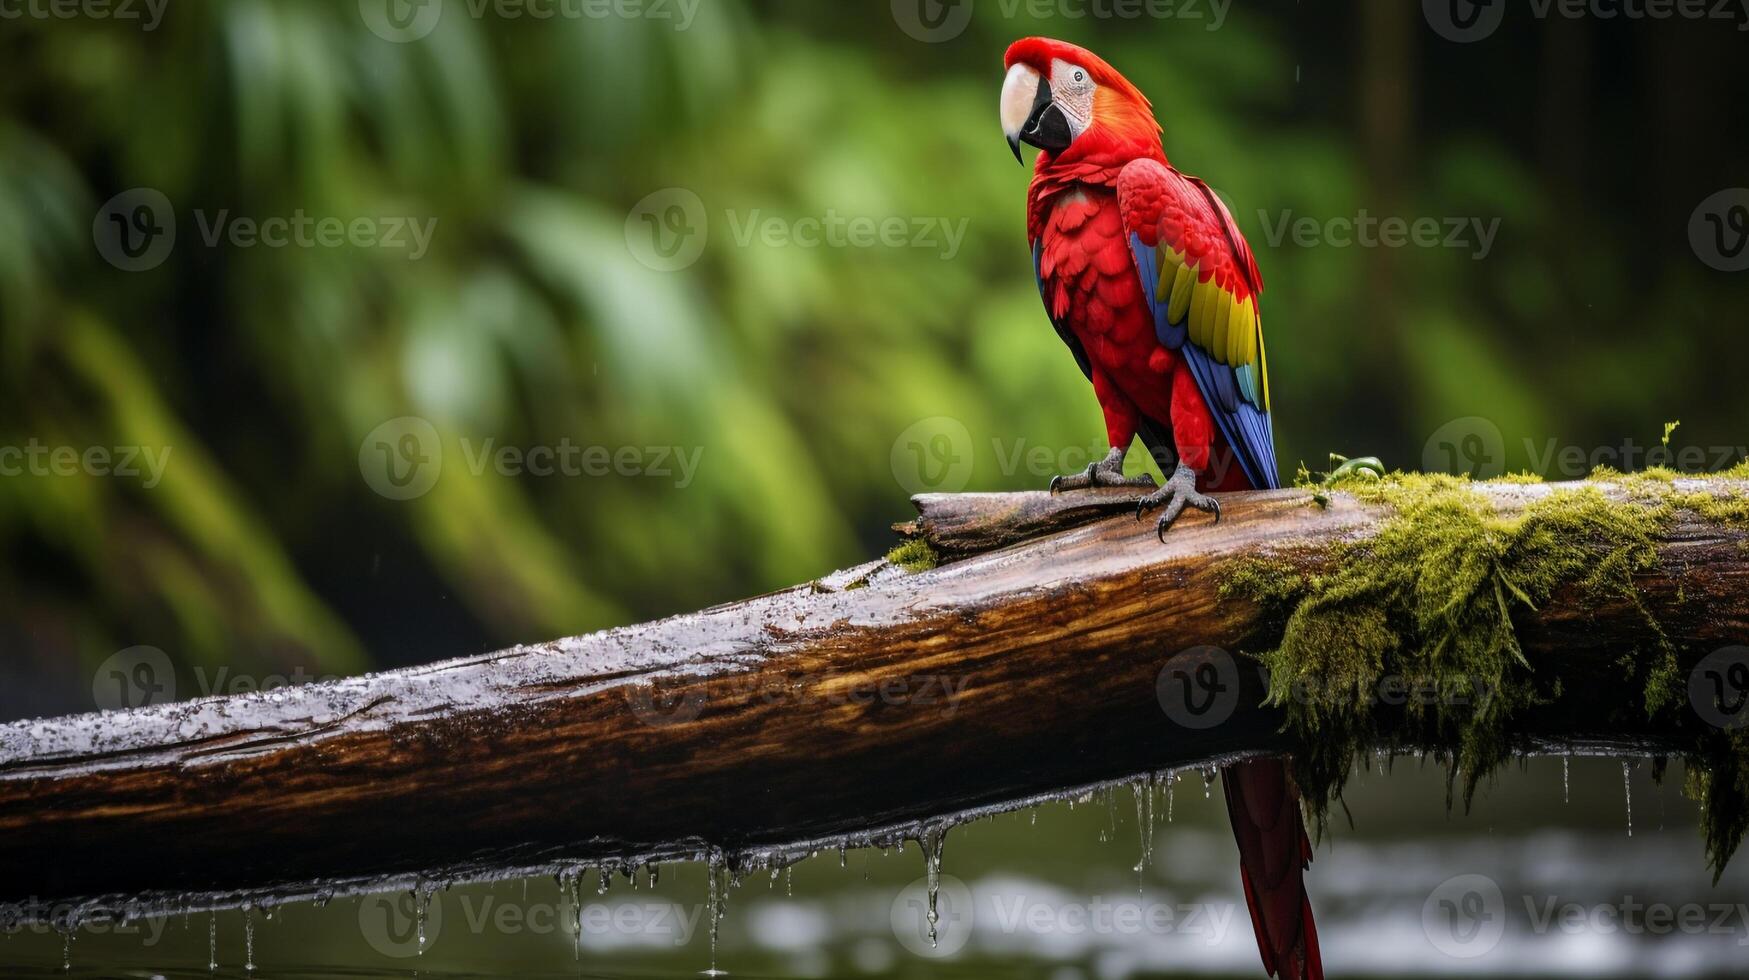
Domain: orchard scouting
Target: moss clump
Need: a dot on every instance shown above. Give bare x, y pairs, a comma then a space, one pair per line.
914, 555
1423, 608
1718, 777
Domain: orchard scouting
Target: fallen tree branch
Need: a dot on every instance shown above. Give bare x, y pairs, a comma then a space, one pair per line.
1033, 662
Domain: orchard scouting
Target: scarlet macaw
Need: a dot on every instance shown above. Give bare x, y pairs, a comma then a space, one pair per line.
1147, 279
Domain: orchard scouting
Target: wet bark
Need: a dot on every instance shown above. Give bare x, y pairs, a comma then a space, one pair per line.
1031, 663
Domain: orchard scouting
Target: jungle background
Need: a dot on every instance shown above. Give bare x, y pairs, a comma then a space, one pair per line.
622, 259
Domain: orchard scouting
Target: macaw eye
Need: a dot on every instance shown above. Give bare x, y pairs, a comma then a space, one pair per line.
1080, 76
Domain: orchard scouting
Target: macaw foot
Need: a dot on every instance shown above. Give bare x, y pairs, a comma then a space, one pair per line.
1108, 472
1180, 491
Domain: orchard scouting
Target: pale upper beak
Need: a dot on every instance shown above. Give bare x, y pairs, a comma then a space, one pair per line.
1019, 91
1028, 113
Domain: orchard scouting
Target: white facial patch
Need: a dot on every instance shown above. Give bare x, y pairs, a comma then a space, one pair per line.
1072, 90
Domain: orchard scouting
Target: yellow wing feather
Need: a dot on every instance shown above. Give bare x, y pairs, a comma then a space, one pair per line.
1181, 286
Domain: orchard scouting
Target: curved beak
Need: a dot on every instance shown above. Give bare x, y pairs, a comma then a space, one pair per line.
1028, 114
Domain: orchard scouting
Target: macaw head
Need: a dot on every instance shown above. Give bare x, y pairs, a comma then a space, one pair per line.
1067, 101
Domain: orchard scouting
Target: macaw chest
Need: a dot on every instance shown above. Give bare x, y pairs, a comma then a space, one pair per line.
1089, 283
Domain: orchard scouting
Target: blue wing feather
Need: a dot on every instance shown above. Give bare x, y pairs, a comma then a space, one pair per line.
1232, 395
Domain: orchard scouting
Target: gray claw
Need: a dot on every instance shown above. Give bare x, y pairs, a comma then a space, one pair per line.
1107, 472
1179, 492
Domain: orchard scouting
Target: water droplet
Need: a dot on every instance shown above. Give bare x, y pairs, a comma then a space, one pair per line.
714, 867
421, 912
1627, 788
1143, 790
931, 842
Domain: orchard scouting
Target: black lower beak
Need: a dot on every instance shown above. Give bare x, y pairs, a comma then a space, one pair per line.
1047, 128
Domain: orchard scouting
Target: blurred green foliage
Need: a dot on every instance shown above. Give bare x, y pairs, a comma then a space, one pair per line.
791, 370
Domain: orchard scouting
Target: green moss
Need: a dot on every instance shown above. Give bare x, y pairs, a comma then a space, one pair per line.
1718, 778
914, 555
1426, 606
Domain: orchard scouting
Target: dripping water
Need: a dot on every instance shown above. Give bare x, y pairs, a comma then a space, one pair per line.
421, 908
249, 937
931, 844
1143, 789
1566, 779
212, 942
1627, 788
714, 867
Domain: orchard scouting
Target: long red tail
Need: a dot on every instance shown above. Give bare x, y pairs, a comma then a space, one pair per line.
1273, 853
